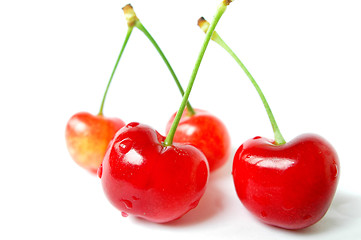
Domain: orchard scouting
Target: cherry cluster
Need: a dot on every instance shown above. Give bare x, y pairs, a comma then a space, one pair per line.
161, 178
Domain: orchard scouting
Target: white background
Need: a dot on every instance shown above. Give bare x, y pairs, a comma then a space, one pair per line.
56, 58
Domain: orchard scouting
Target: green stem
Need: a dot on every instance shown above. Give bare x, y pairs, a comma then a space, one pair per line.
140, 26
129, 32
279, 140
221, 9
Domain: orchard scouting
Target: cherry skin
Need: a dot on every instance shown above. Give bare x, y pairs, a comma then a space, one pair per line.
289, 186
87, 137
143, 178
207, 133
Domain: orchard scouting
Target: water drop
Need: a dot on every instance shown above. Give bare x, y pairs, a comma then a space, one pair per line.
128, 204
124, 214
193, 204
334, 171
123, 146
100, 171
132, 124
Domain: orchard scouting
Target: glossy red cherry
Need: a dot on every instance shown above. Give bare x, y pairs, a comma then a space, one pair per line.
87, 137
207, 133
290, 185
146, 175
142, 177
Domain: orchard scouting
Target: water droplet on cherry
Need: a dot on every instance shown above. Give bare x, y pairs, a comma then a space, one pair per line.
264, 214
100, 171
128, 204
132, 124
124, 214
193, 204
123, 146
334, 170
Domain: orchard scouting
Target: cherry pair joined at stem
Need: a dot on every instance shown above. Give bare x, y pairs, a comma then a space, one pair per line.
147, 175
288, 185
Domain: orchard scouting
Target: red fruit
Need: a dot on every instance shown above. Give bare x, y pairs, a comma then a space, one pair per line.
207, 133
87, 137
291, 185
143, 178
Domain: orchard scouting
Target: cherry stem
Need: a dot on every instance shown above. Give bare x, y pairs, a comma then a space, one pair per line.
140, 26
204, 25
134, 21
221, 9
129, 32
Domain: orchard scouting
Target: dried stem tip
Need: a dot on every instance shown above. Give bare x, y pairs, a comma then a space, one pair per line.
204, 25
130, 15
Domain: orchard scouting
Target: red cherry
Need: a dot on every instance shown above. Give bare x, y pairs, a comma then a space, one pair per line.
207, 133
87, 137
290, 185
142, 177
145, 174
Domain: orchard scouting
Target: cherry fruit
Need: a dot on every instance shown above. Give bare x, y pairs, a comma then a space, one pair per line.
87, 138
206, 132
288, 185
144, 178
147, 175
